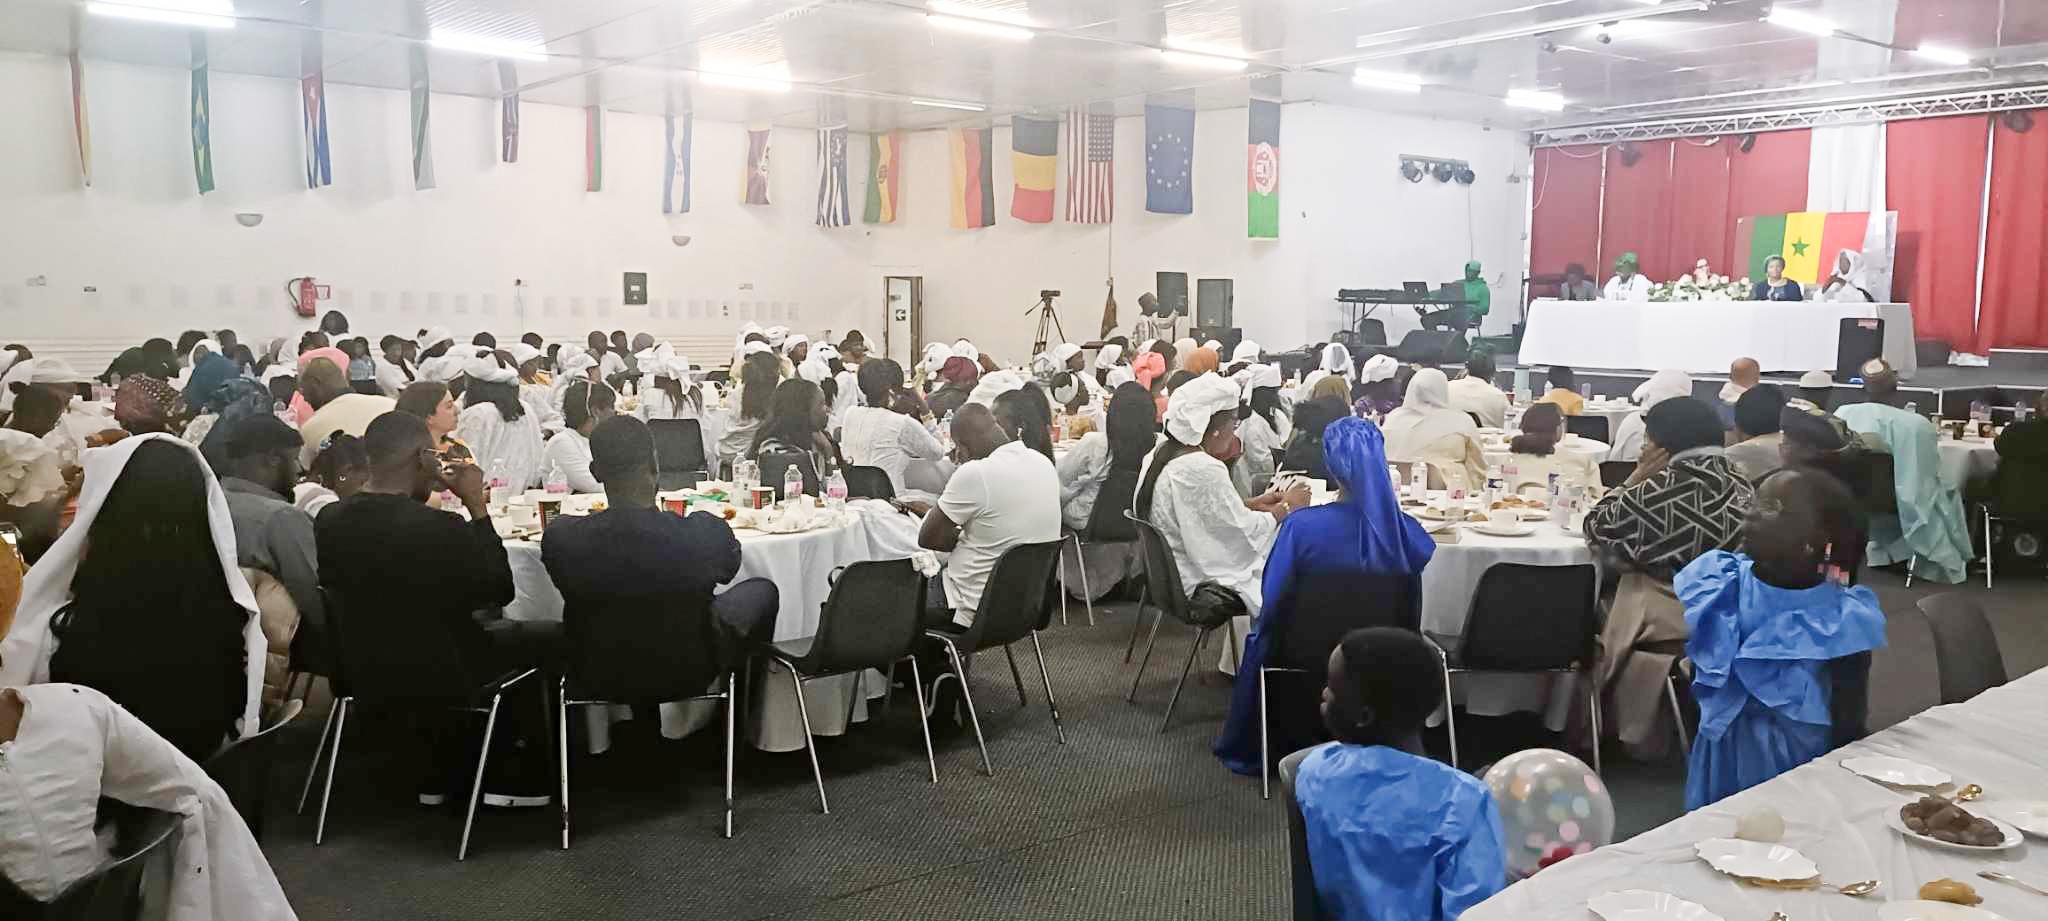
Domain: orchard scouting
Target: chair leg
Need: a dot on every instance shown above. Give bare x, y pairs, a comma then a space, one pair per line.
1230, 633
917, 683
1450, 709
476, 787
312, 770
1137, 624
1987, 547
973, 716
562, 752
1201, 639
1046, 676
860, 677
1593, 708
803, 711
1087, 597
1677, 714
1060, 563
1016, 676
1149, 643
1265, 757
1912, 563
889, 689
333, 759
732, 706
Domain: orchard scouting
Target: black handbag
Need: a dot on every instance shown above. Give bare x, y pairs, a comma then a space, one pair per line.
1212, 604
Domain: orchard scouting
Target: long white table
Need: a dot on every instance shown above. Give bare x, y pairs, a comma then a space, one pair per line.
1705, 336
1837, 818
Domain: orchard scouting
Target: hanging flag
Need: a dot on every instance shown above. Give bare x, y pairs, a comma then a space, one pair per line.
1108, 312
422, 138
1811, 241
313, 112
1262, 171
1091, 160
1169, 160
1035, 161
80, 125
833, 208
885, 164
508, 112
757, 165
202, 117
593, 148
675, 171
974, 191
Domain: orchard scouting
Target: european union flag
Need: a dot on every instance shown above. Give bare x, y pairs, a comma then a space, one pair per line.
1169, 160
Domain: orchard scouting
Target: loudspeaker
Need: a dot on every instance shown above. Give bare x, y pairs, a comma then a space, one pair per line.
1861, 339
1432, 347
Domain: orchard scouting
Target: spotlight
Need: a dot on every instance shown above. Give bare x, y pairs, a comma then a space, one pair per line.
1466, 176
1411, 171
248, 218
680, 239
2019, 122
1748, 142
1628, 153
1443, 171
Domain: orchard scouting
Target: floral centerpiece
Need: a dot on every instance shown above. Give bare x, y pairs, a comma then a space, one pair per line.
1706, 286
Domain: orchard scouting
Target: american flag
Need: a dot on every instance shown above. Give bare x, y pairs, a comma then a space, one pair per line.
1091, 159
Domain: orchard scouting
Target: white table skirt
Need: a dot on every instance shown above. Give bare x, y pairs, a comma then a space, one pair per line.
1995, 740
1963, 461
1497, 453
1447, 586
1705, 336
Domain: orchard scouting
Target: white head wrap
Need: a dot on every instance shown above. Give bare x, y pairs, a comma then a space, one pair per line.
483, 365
573, 363
25, 653
7, 359
935, 355
1107, 356
36, 371
1063, 353
521, 352
1256, 376
445, 368
1190, 408
1044, 365
1424, 417
433, 337
755, 348
790, 342
1337, 359
814, 369
1145, 346
1076, 385
29, 472
1378, 368
965, 349
1664, 385
192, 354
775, 335
1245, 351
995, 384
274, 371
745, 331
825, 350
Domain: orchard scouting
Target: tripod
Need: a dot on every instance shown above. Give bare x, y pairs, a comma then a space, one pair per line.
1048, 319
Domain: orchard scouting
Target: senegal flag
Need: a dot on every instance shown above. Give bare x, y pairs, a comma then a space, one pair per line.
1809, 241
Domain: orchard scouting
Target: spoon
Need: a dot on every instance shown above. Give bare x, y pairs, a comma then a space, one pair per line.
1862, 888
2014, 880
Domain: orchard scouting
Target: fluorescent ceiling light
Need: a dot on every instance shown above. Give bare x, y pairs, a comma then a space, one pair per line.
980, 27
1535, 99
188, 13
963, 11
1198, 59
1943, 55
1387, 80
742, 82
947, 104
491, 45
1801, 22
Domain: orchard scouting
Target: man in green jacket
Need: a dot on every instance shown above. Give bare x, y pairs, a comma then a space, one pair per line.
1458, 317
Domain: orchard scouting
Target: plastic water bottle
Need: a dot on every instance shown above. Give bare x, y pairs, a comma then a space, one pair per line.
835, 490
1496, 483
1418, 480
555, 482
501, 488
792, 483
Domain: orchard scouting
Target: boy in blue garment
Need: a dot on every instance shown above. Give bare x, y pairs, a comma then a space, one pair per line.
1393, 835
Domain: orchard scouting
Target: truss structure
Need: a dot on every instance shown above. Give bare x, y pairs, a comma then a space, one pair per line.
1810, 116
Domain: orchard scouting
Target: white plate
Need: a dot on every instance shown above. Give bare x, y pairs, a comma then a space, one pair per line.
1432, 513
1774, 863
1896, 771
1644, 905
1515, 530
2029, 817
2013, 838
1919, 910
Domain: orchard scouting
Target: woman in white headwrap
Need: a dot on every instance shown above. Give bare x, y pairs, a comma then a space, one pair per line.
1185, 490
1262, 423
666, 391
1427, 430
1628, 436
927, 369
157, 615
538, 397
1336, 360
1110, 370
502, 434
1246, 351
965, 349
574, 364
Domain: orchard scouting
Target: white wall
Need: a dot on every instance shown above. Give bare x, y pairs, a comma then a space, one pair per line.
163, 258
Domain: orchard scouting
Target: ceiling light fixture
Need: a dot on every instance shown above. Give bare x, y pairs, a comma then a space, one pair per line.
947, 104
742, 82
1202, 59
1535, 99
980, 27
1391, 81
488, 45
1943, 55
1801, 22
964, 11
198, 13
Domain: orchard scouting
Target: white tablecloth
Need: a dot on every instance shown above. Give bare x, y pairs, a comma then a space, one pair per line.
1497, 453
1963, 461
1704, 337
1996, 740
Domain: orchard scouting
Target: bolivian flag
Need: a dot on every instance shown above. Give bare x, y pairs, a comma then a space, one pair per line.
1809, 241
974, 191
885, 170
1034, 158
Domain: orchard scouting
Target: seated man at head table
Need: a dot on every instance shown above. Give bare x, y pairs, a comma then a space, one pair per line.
1392, 834
1628, 283
1577, 287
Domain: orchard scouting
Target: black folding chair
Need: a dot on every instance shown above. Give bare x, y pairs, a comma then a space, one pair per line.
243, 767
1527, 619
1328, 605
1307, 905
1966, 657
678, 453
868, 483
775, 464
1162, 585
113, 890
1106, 525
1594, 427
872, 619
1013, 608
1615, 473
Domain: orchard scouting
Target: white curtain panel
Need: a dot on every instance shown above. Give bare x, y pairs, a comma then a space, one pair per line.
1846, 170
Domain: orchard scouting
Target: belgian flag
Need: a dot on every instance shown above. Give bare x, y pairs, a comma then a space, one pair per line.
1034, 158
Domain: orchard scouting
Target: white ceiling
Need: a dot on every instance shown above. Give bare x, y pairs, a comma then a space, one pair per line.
864, 60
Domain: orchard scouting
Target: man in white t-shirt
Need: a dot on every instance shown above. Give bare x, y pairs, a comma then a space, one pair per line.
1006, 495
1475, 393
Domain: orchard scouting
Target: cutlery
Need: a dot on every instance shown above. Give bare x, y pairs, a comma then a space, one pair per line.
1862, 888
2014, 880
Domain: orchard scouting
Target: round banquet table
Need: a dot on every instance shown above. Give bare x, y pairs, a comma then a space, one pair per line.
1965, 460
799, 565
1447, 586
1613, 410
1496, 448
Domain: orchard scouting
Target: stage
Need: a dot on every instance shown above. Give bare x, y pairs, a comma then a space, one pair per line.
1947, 388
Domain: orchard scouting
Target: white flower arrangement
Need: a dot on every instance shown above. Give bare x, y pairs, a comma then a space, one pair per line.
1706, 286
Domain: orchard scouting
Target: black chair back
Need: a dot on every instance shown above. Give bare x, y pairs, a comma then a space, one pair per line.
1372, 331
1301, 874
872, 617
1162, 575
1615, 473
774, 463
1107, 522
1594, 427
1332, 604
1881, 490
1966, 657
243, 768
313, 650
1017, 598
113, 890
1531, 618
868, 483
639, 646
403, 653
678, 453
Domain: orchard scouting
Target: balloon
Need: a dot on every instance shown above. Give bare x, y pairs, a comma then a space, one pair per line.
1552, 806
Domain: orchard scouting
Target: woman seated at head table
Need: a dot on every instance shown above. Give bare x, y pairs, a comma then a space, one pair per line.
1427, 430
1533, 455
1775, 286
1090, 461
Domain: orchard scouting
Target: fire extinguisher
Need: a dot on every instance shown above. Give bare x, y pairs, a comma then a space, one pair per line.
305, 293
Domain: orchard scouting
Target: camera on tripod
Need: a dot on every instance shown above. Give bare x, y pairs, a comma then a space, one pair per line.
1047, 292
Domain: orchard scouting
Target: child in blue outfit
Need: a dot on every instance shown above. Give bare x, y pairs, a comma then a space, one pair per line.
1393, 835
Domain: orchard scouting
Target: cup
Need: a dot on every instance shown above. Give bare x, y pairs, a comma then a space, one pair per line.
761, 497
1957, 428
1984, 429
550, 509
677, 505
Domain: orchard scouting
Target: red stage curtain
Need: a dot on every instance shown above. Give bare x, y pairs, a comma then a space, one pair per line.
1770, 178
1700, 225
2015, 246
1934, 179
1565, 225
1636, 210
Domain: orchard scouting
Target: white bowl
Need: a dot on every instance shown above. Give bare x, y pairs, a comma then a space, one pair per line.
1896, 771
2029, 817
1644, 905
2013, 838
1776, 863
1921, 910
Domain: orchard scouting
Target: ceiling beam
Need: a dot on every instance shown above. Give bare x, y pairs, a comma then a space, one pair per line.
1980, 102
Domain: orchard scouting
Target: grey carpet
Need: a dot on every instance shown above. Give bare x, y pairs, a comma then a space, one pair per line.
1121, 822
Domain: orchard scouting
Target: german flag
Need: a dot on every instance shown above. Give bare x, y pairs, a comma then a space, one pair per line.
1035, 159
974, 191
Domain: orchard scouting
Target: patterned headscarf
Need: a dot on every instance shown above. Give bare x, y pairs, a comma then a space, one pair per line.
959, 371
145, 404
